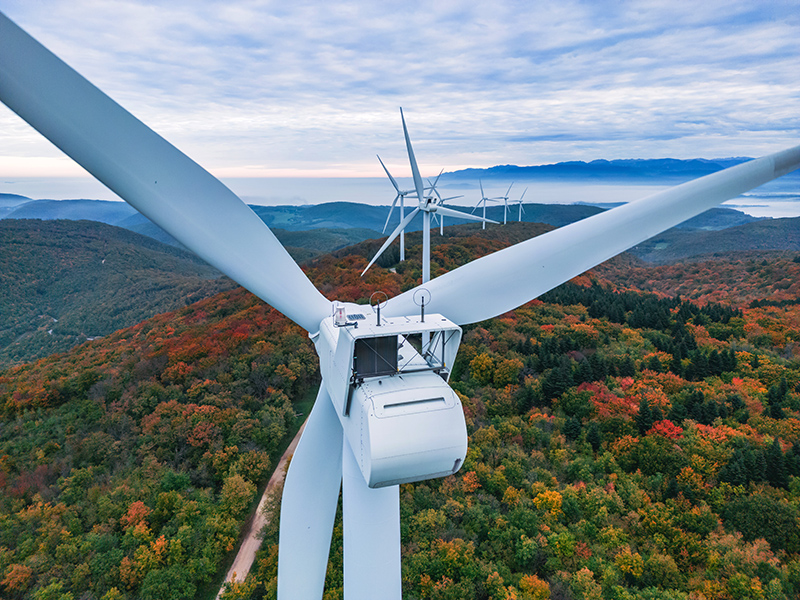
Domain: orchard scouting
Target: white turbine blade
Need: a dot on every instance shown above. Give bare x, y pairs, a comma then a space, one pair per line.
391, 238
502, 281
371, 520
308, 506
509, 190
523, 194
460, 215
483, 197
394, 183
433, 185
391, 210
451, 198
152, 175
412, 159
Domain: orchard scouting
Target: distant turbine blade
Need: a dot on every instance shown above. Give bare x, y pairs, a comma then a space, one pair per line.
413, 161
433, 185
308, 507
392, 237
451, 198
460, 215
153, 176
483, 198
509, 190
502, 281
391, 210
394, 183
371, 520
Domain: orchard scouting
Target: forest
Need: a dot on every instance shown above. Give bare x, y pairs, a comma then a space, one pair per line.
634, 433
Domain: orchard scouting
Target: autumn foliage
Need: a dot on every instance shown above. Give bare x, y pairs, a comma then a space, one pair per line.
622, 445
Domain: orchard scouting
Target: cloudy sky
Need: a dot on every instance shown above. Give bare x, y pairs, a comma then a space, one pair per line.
260, 88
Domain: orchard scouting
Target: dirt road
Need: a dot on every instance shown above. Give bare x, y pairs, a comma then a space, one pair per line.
247, 551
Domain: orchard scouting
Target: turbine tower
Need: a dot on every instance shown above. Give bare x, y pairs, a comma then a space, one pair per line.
384, 414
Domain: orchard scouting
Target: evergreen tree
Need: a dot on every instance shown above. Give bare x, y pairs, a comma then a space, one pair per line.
735, 471
572, 428
775, 466
644, 420
594, 437
675, 364
714, 363
627, 368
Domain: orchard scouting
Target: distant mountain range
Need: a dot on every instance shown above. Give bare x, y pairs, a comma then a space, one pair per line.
326, 227
629, 170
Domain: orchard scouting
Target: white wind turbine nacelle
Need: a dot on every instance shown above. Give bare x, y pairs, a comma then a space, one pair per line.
201, 213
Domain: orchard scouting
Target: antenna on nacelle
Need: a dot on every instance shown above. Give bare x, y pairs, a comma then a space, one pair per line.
421, 297
378, 303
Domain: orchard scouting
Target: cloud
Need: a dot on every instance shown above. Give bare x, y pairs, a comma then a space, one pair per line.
256, 86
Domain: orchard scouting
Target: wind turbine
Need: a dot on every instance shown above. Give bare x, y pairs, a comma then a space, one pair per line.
427, 206
505, 203
440, 201
369, 429
483, 200
519, 202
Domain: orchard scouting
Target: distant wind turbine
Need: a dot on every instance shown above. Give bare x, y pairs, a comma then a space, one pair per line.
519, 203
483, 200
428, 206
505, 203
441, 201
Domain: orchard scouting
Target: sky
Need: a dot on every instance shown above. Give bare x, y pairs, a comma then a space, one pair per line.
256, 88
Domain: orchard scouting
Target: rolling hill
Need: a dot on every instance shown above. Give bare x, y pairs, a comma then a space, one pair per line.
63, 282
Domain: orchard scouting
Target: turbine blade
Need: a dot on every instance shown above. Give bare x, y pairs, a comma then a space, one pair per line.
502, 281
371, 520
308, 506
391, 210
413, 161
435, 181
153, 176
460, 215
394, 183
391, 238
